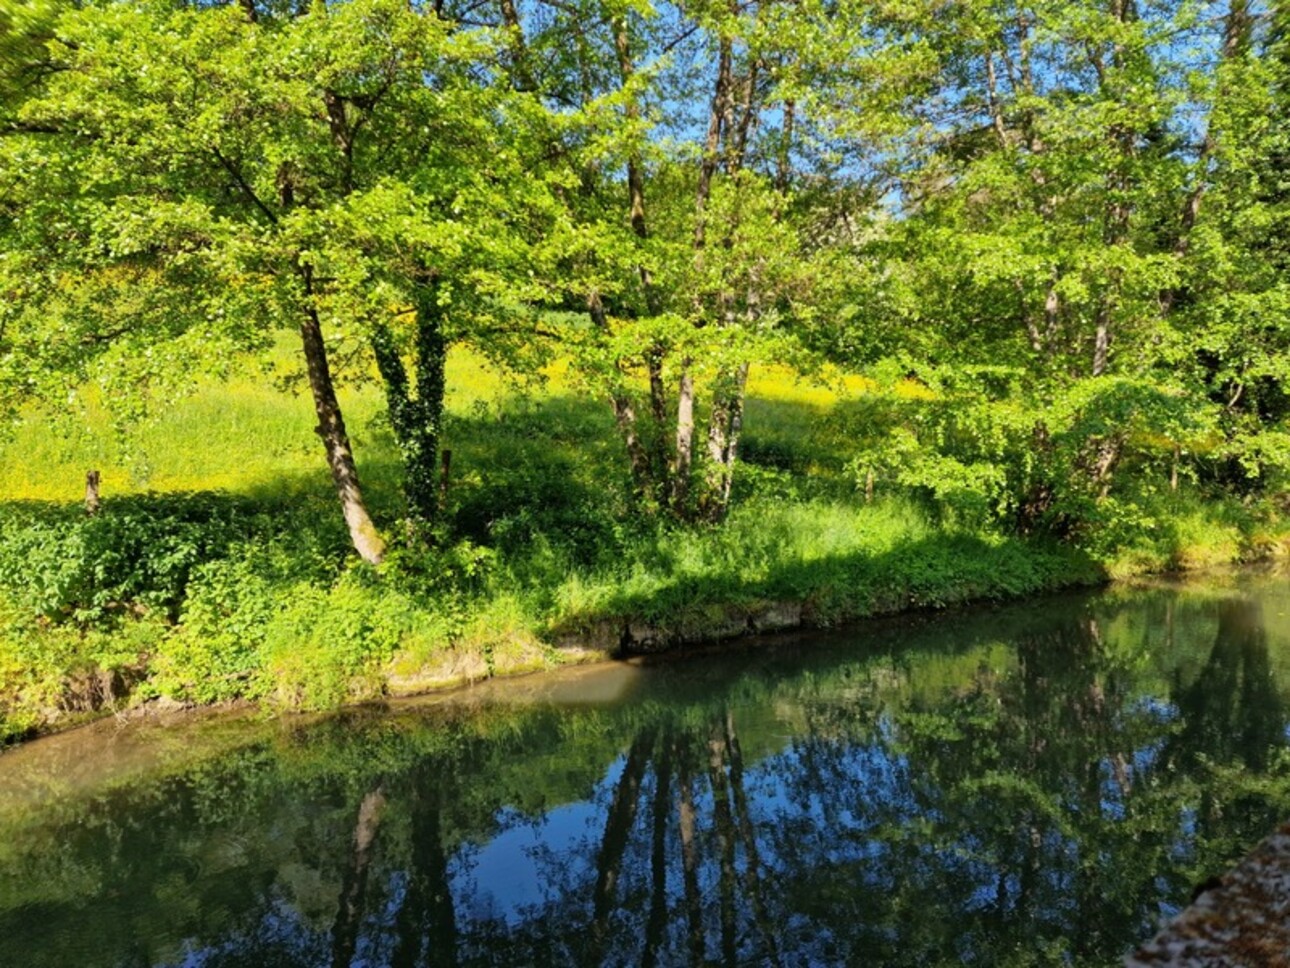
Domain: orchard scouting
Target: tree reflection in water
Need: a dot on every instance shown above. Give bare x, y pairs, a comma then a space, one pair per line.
1012, 789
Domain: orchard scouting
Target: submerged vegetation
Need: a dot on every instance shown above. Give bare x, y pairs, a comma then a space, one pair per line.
719, 318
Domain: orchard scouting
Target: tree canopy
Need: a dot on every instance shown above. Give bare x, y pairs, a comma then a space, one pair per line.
1064, 222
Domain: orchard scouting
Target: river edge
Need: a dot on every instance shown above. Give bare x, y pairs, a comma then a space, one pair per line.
611, 641
100, 695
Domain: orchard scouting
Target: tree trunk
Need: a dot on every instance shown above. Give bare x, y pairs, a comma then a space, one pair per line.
712, 146
91, 493
1118, 183
1102, 339
624, 412
432, 357
1237, 27
416, 420
684, 442
657, 452
723, 442
331, 428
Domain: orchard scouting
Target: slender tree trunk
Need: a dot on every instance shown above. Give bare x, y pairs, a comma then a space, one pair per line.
734, 114
783, 163
684, 456
712, 146
521, 72
1052, 312
1118, 184
1237, 27
724, 430
653, 303
1102, 338
1106, 456
417, 420
717, 116
331, 428
91, 493
624, 412
658, 413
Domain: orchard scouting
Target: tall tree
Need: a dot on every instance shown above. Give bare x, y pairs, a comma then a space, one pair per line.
681, 243
193, 177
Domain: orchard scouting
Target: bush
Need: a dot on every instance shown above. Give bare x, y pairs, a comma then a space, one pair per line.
137, 555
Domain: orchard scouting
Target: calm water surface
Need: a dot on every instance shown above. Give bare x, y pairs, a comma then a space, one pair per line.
1037, 784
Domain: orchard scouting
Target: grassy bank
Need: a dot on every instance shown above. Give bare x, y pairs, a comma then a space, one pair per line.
249, 591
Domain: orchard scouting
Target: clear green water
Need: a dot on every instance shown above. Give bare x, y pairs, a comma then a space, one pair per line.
1036, 784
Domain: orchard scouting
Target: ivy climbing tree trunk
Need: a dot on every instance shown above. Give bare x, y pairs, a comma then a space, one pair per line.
417, 417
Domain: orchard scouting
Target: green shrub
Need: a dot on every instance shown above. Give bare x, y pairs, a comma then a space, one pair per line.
136, 555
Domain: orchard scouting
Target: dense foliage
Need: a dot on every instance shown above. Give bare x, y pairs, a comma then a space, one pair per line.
1049, 236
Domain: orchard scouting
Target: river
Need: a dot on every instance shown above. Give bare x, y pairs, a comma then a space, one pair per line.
1025, 785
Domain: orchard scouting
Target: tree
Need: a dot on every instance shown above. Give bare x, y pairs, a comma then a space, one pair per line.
191, 179
683, 241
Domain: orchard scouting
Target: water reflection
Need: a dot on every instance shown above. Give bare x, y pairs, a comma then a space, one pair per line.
1026, 786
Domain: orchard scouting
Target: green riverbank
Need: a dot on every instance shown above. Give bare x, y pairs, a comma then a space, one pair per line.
203, 599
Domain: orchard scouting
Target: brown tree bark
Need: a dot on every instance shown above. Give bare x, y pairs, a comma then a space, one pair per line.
91, 493
366, 539
331, 428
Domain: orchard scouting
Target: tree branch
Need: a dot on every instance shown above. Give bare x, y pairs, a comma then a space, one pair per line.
233, 171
